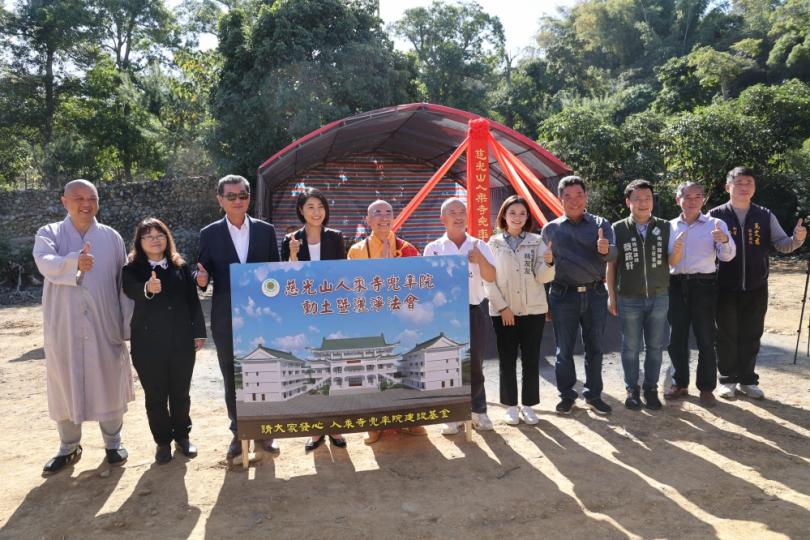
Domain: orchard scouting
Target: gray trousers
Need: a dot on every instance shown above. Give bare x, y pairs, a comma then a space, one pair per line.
70, 434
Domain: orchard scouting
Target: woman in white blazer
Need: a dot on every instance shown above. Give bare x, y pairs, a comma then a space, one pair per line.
518, 306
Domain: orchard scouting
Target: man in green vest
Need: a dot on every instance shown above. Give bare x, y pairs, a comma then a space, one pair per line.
638, 291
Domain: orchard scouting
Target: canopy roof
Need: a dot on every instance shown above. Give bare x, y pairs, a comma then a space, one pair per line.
421, 131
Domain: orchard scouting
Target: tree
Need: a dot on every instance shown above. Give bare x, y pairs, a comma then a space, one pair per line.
457, 47
136, 33
299, 65
791, 28
702, 146
593, 148
681, 89
715, 68
45, 40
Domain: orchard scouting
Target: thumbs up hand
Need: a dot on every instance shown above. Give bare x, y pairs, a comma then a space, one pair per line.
603, 244
153, 285
719, 236
677, 248
548, 256
295, 247
800, 232
85, 259
474, 255
202, 276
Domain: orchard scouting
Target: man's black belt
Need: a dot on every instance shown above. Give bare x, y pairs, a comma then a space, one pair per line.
694, 276
577, 288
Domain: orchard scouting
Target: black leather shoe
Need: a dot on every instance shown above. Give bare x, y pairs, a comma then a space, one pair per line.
633, 402
312, 445
235, 448
60, 462
340, 443
116, 458
163, 454
185, 446
269, 445
651, 400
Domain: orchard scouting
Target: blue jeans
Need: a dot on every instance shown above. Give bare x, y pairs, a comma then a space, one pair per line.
570, 311
647, 317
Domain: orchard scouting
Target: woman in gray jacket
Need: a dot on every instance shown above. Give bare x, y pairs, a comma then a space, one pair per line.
517, 305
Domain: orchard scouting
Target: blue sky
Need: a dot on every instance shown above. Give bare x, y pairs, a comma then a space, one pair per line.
279, 321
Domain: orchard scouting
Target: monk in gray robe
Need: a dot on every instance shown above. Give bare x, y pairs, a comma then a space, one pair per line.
86, 320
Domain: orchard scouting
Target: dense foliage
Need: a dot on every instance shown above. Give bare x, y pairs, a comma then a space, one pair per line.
117, 90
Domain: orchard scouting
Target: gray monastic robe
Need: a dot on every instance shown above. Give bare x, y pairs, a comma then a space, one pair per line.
86, 319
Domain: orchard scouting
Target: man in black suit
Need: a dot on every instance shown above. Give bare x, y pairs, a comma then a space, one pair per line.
237, 238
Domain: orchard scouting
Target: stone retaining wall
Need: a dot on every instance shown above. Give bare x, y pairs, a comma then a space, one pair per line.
185, 205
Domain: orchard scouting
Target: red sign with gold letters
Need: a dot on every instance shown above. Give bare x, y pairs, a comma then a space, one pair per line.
478, 197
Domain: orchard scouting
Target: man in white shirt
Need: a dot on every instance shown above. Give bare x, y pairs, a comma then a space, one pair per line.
456, 241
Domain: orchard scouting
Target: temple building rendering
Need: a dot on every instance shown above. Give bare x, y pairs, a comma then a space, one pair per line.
349, 366
433, 364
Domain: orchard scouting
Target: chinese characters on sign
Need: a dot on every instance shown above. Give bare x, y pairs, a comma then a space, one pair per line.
383, 421
478, 203
360, 304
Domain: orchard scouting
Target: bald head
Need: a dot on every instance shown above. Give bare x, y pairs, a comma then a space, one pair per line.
380, 206
72, 185
81, 202
380, 218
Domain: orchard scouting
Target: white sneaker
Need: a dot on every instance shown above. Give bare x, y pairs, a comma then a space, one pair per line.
752, 391
481, 422
528, 415
727, 390
450, 429
511, 417
670, 380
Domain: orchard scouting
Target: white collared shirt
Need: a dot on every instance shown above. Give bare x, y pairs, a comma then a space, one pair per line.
445, 246
700, 251
241, 238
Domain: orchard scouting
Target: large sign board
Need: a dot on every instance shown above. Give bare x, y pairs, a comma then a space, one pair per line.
345, 346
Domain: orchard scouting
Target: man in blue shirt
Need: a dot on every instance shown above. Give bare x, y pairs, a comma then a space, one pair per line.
581, 243
696, 241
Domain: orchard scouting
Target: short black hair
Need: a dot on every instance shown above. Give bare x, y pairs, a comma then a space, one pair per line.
740, 171
231, 179
308, 193
569, 181
637, 184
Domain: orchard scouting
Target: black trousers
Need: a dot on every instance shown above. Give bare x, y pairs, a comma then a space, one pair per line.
526, 333
224, 346
166, 383
693, 303
740, 324
478, 349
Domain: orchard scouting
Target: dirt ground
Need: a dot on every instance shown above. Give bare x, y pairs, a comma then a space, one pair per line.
739, 470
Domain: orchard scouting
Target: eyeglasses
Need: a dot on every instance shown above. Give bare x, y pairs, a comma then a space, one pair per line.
242, 196
379, 215
150, 238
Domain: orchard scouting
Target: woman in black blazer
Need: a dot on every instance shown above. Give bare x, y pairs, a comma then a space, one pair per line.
168, 328
314, 242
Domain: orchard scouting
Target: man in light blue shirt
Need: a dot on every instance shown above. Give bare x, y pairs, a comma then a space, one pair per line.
696, 241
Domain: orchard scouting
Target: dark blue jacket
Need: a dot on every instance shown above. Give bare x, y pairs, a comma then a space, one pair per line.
217, 254
748, 270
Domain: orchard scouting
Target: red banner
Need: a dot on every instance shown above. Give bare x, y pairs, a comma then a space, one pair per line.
478, 198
